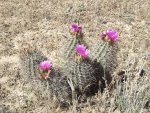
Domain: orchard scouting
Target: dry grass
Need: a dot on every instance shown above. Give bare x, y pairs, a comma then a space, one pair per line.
42, 24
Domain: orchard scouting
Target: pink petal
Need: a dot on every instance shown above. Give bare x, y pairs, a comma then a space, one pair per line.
112, 35
81, 50
45, 65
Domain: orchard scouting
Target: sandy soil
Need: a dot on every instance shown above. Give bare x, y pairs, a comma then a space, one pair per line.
43, 24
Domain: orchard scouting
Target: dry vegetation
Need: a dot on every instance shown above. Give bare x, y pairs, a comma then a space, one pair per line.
26, 25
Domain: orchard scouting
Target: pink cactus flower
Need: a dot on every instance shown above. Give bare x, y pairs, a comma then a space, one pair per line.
45, 65
82, 51
110, 35
76, 28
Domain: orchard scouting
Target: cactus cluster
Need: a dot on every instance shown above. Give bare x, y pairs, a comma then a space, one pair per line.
82, 72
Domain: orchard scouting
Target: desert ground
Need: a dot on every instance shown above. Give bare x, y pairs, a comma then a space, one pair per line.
42, 25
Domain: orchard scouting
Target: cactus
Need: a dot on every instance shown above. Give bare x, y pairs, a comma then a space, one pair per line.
103, 60
73, 38
59, 88
29, 62
81, 71
100, 51
105, 52
82, 75
56, 83
105, 49
69, 48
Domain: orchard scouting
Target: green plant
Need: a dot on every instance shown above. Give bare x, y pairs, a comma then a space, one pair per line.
75, 37
29, 63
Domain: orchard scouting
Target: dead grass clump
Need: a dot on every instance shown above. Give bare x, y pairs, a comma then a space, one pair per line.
132, 96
